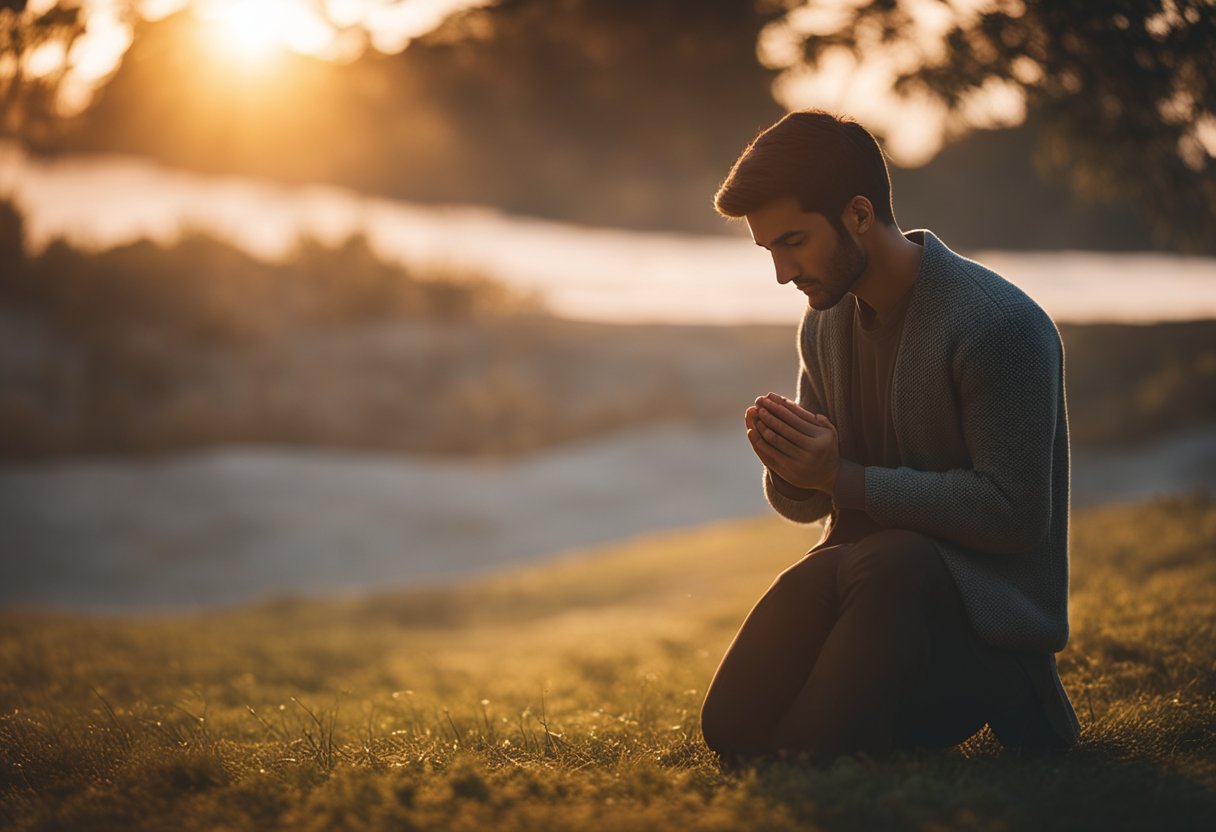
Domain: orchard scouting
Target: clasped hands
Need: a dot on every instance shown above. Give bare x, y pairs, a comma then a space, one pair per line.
798, 446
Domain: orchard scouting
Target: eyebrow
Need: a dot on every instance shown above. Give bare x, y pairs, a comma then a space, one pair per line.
780, 239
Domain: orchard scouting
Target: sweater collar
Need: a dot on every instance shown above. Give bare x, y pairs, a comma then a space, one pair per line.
931, 265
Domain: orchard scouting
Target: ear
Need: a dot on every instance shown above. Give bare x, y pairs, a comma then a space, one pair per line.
858, 215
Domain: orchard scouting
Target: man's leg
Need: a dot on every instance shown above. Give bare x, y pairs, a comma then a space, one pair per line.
771, 656
968, 683
895, 610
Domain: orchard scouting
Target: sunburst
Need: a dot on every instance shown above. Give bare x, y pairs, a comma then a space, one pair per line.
256, 31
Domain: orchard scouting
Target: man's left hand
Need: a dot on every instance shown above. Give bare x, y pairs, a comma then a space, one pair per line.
797, 445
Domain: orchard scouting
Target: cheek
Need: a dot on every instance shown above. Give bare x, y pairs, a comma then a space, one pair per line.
818, 261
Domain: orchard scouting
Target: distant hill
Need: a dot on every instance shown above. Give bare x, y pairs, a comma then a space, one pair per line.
145, 349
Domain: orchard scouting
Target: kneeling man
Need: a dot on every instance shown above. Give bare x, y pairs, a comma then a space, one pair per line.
930, 428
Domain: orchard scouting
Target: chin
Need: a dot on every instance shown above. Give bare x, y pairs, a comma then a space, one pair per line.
825, 305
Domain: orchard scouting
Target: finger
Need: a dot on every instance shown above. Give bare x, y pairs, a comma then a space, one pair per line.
825, 423
792, 434
751, 418
797, 409
788, 415
781, 443
759, 447
822, 421
819, 419
767, 454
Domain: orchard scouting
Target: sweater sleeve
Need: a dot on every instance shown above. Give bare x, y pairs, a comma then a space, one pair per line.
1010, 386
820, 502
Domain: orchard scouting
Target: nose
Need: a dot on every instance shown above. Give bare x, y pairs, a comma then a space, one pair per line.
785, 268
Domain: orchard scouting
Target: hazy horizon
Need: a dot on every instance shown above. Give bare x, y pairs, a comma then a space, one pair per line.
581, 272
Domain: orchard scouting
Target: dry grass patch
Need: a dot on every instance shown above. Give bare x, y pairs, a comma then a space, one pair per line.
565, 696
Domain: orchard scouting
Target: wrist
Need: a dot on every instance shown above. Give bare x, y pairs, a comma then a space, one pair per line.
850, 486
788, 489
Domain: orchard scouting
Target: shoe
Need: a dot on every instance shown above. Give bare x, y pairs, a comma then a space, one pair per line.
1048, 723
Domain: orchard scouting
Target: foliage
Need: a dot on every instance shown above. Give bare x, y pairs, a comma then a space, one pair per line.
149, 349
1129, 383
204, 290
623, 113
1124, 90
145, 348
565, 697
28, 99
594, 111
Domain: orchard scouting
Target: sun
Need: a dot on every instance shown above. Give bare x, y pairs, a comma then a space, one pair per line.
256, 31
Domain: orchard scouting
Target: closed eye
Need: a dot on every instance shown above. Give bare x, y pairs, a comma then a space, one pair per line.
790, 239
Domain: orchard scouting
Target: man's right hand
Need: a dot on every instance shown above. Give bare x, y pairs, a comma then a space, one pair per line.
799, 448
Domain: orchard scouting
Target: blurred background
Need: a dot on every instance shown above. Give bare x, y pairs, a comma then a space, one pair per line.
304, 297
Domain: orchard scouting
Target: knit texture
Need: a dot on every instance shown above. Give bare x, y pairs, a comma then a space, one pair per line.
978, 405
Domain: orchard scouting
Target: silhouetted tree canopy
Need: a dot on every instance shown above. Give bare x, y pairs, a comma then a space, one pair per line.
627, 113
595, 111
203, 290
1124, 91
27, 101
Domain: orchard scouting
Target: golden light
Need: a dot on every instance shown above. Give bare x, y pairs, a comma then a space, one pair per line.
862, 83
247, 34
254, 31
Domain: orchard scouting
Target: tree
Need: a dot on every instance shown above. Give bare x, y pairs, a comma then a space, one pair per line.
1125, 90
602, 112
30, 77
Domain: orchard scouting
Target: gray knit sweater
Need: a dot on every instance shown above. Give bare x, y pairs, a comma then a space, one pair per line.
977, 401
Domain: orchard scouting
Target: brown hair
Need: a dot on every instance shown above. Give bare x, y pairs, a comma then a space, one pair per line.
821, 159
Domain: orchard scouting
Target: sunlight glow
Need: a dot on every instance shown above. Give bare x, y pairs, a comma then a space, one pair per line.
255, 31
252, 32
623, 276
1205, 133
46, 59
392, 24
94, 56
915, 127
158, 9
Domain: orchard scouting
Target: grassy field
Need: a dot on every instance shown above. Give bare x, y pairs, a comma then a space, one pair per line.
565, 696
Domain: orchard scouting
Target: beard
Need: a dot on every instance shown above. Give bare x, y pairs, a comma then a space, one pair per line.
849, 261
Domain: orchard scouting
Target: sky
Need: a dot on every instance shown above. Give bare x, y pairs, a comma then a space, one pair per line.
246, 30
256, 31
915, 126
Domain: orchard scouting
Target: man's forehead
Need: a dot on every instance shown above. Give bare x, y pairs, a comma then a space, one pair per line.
778, 218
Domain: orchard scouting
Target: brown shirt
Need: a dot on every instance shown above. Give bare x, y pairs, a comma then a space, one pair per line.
873, 441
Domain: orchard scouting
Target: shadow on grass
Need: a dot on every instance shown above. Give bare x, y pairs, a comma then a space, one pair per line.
1095, 787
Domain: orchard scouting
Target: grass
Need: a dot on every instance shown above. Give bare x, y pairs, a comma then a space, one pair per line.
565, 696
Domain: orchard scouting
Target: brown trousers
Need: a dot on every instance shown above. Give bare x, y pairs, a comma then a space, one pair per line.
860, 647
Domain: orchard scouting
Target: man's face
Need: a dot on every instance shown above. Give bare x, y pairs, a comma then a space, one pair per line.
808, 251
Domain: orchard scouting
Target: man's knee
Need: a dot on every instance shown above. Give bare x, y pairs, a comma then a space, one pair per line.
715, 729
725, 731
810, 580
895, 559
